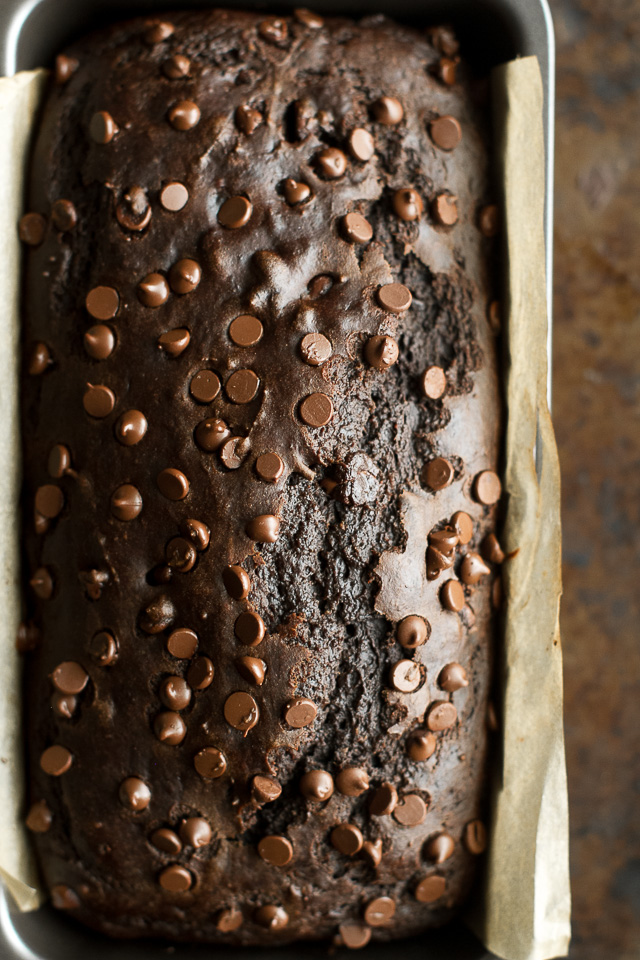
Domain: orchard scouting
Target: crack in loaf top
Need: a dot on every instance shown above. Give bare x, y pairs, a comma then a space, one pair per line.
257, 277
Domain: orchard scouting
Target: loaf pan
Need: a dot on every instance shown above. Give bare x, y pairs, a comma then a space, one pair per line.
492, 31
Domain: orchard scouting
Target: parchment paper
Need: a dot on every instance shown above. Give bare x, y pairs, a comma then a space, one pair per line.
525, 907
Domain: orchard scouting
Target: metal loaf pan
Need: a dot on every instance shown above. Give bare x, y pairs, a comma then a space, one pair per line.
492, 31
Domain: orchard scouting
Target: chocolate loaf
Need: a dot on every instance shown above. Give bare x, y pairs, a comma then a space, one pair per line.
261, 429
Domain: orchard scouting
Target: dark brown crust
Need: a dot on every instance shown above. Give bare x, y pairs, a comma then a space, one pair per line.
330, 588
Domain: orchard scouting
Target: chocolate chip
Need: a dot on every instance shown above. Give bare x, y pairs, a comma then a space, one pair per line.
316, 410
126, 502
487, 488
32, 228
331, 163
444, 210
166, 840
394, 297
430, 889
28, 638
196, 532
309, 19
381, 352
99, 341
444, 39
372, 852
356, 228
200, 673
441, 715
352, 781
131, 428
236, 582
273, 31
182, 643
316, 785
475, 837
175, 693
64, 704
320, 285
437, 562
388, 110
452, 677
275, 850
39, 359
300, 712
174, 342
379, 911
347, 839
249, 628
65, 67
271, 917
383, 801
412, 632
102, 303
248, 119
241, 711
174, 196
39, 818
56, 760
242, 386
233, 452
473, 568
195, 832
361, 144
491, 549
64, 216
49, 500
269, 467
497, 594
489, 220
103, 648
407, 204
245, 331
102, 127
421, 745
235, 212
170, 728
157, 615
251, 669
404, 676
265, 789
437, 474
439, 847
445, 132
70, 677
315, 349
295, 192
354, 935
445, 70
175, 879
184, 115
158, 31
452, 596
98, 400
211, 434
410, 811
204, 386
64, 898
228, 920
153, 291
173, 484
463, 526
210, 763
42, 583
176, 67
263, 529
133, 212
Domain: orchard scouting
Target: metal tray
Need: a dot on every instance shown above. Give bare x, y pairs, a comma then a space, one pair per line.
31, 32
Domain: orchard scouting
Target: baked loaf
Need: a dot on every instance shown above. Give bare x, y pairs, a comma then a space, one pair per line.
261, 426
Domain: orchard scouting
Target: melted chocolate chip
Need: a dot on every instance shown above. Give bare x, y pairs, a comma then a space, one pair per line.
381, 352
211, 434
300, 712
241, 711
439, 847
210, 763
265, 789
133, 212
103, 648
248, 119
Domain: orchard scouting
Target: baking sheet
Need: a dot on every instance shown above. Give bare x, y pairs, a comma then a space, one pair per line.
525, 908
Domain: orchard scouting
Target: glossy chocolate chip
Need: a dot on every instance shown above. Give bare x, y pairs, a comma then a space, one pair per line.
175, 693
407, 204
410, 811
49, 500
463, 526
184, 276
236, 582
32, 228
439, 847
210, 763
184, 115
157, 616
249, 628
265, 789
102, 127
195, 832
204, 386
103, 648
384, 800
452, 596
316, 785
39, 818
99, 341
176, 67
273, 31
228, 920
70, 677
380, 911
271, 917
430, 889
64, 704
354, 935
300, 712
412, 632
452, 677
235, 212
133, 211
388, 110
275, 850
64, 215
241, 711
196, 532
153, 291
347, 839
473, 568
251, 669
98, 400
352, 781
126, 502
56, 760
269, 467
170, 728
64, 898
489, 220
475, 837
210, 434
174, 342
39, 359
182, 643
295, 192
421, 745
356, 228
316, 410
372, 852
487, 488
157, 31
65, 67
200, 673
167, 841
248, 119
173, 484
175, 879
42, 583
131, 428
242, 386
263, 529
361, 144
331, 163
308, 18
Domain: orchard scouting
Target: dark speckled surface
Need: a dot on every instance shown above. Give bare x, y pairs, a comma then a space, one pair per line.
596, 414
